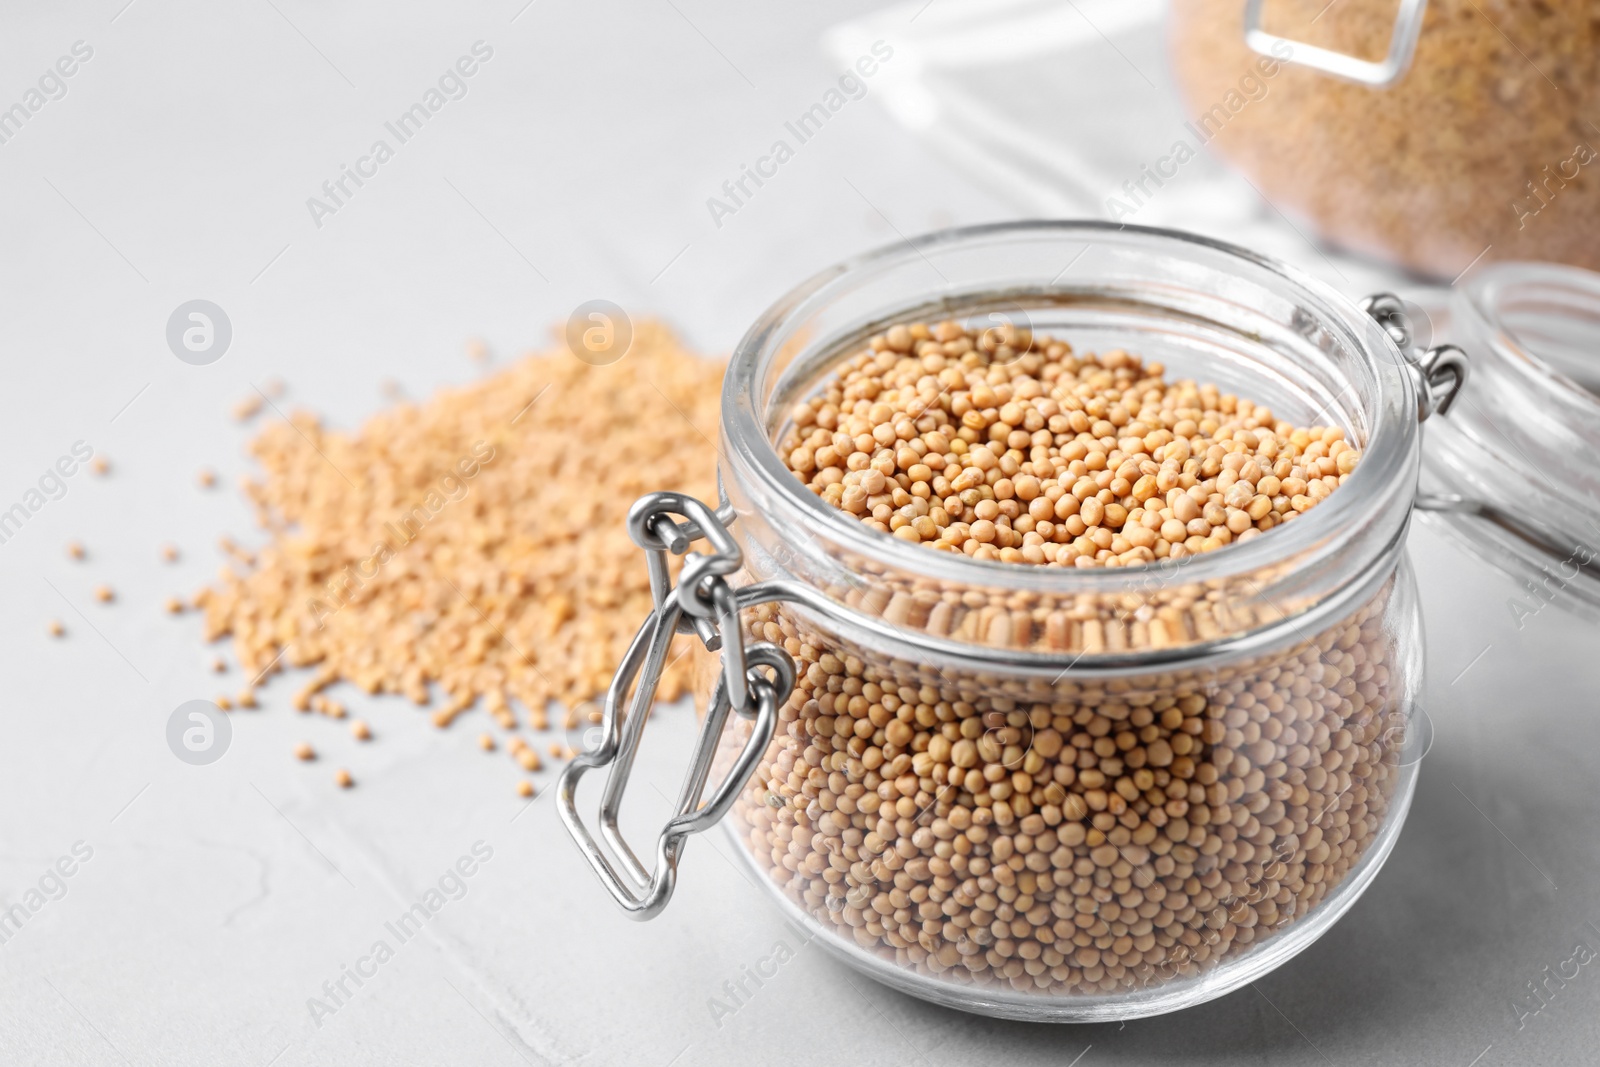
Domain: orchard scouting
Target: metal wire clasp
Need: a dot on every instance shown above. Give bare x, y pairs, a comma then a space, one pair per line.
1402, 46
754, 682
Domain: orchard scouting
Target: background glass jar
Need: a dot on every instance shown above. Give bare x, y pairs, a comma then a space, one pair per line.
1432, 133
1052, 793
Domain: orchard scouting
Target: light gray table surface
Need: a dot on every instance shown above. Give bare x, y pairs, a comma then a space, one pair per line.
217, 900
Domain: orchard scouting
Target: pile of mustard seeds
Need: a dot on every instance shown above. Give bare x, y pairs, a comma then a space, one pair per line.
1075, 836
1066, 836
1007, 446
471, 549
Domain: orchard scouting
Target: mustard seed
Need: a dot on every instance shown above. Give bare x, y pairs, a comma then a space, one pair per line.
342, 778
1069, 836
360, 730
75, 550
104, 594
1065, 835
1056, 458
54, 628
483, 554
304, 751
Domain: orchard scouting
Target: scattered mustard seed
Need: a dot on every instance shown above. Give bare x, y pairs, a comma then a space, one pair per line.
169, 553
502, 509
486, 742
100, 465
343, 779
54, 628
174, 606
524, 788
75, 550
206, 477
304, 751
104, 594
360, 730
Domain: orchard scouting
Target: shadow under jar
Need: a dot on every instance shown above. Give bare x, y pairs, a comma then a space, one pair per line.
1053, 793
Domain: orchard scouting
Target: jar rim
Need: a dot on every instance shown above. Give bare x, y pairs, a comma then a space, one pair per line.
1489, 297
1389, 453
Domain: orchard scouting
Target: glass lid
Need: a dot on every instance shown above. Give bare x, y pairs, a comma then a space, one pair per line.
1513, 470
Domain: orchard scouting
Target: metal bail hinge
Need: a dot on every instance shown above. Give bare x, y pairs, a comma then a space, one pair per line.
754, 682
1440, 372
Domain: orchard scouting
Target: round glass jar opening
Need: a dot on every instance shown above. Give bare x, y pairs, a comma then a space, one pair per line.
1053, 793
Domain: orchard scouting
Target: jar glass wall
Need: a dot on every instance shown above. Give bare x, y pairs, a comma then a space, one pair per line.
1083, 794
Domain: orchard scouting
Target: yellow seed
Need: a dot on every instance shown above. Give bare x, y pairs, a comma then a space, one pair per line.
174, 606
246, 698
75, 549
206, 477
342, 778
169, 553
486, 742
524, 788
104, 594
55, 628
100, 465
304, 751
360, 730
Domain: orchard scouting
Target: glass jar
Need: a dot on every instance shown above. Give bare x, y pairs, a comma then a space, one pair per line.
1034, 792
1433, 133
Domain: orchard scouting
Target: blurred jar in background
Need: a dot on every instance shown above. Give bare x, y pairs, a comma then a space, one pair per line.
1485, 142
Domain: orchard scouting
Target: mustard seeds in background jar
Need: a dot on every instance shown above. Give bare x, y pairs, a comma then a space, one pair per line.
1485, 146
